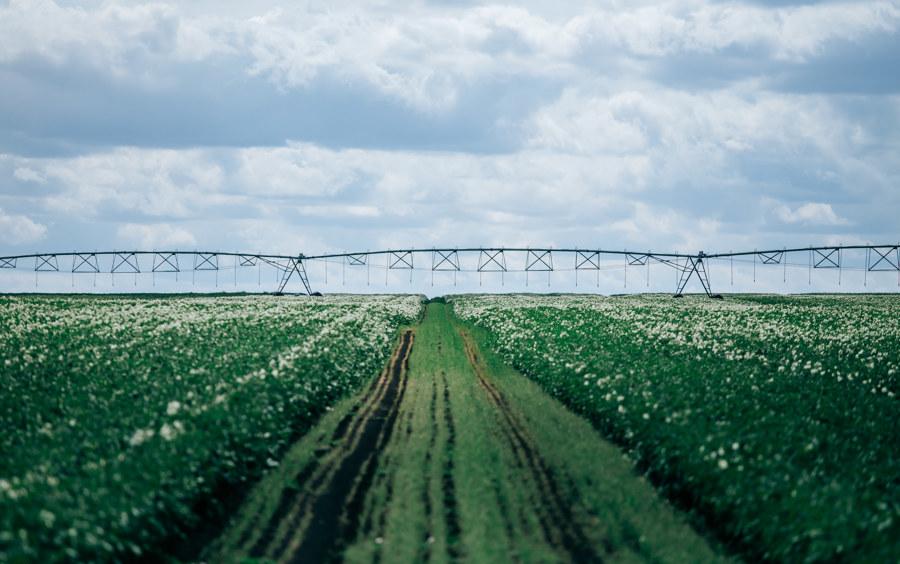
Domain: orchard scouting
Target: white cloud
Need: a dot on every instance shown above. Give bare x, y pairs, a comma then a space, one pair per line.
338, 212
290, 171
26, 174
425, 56
125, 41
682, 232
727, 138
156, 236
792, 33
349, 196
275, 235
19, 229
586, 120
617, 156
153, 182
810, 213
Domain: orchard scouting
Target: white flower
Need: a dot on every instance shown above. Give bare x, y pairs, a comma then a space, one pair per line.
173, 407
47, 518
169, 432
140, 436
723, 464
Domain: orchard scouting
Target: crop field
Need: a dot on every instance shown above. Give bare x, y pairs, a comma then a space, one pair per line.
480, 428
773, 419
123, 417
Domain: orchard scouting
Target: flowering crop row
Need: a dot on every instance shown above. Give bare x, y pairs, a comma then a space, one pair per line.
774, 419
122, 416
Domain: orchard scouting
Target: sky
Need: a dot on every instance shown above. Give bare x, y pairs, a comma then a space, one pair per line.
320, 126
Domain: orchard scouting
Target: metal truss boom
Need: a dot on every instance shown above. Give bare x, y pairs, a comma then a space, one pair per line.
882, 257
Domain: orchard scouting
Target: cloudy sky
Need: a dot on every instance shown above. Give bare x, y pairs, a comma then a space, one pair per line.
319, 126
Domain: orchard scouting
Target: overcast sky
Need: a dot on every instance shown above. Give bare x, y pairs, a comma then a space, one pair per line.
323, 126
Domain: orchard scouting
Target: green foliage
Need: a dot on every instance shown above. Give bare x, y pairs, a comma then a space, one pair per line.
122, 416
773, 419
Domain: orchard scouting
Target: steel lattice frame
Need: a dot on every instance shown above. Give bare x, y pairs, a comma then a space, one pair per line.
878, 258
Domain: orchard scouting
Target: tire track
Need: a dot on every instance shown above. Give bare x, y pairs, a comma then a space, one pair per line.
558, 521
337, 509
385, 479
317, 471
451, 511
425, 551
308, 477
294, 508
311, 476
317, 522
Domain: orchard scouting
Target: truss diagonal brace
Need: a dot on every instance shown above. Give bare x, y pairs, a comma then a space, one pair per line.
402, 260
7, 263
773, 257
828, 258
46, 263
206, 261
587, 260
125, 262
165, 262
85, 263
444, 260
541, 261
636, 260
883, 259
492, 261
357, 260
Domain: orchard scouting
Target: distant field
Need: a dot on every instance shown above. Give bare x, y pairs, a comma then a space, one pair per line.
774, 419
122, 418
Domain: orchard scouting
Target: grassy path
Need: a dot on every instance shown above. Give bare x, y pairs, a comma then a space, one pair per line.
450, 455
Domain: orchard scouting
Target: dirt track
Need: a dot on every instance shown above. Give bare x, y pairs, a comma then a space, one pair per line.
559, 524
320, 519
447, 456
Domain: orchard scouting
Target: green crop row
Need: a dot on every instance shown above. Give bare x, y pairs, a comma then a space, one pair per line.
774, 420
126, 420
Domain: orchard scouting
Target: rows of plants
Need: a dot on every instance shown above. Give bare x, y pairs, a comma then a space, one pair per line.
125, 420
774, 420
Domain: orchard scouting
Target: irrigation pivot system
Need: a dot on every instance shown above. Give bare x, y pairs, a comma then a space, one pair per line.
878, 258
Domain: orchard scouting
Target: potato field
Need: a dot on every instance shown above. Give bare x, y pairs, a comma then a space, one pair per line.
772, 418
482, 428
123, 418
